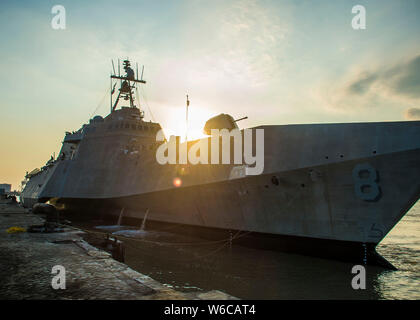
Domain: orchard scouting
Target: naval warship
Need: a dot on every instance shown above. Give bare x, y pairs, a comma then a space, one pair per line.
330, 190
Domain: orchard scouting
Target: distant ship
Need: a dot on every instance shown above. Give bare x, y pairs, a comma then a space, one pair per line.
330, 190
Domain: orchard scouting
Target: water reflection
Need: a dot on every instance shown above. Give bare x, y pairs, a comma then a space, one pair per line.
247, 273
187, 263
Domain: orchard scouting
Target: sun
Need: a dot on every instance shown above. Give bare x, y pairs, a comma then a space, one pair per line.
197, 117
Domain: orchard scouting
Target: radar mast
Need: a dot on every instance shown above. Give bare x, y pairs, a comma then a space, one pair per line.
128, 83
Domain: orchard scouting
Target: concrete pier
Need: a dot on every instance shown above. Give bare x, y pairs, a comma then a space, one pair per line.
27, 259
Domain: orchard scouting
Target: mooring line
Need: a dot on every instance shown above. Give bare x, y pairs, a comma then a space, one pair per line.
225, 242
228, 240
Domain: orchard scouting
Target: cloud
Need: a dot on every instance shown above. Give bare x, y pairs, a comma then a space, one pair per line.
402, 80
240, 42
413, 114
381, 92
361, 85
409, 81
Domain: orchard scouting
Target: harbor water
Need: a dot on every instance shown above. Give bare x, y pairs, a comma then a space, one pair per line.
191, 264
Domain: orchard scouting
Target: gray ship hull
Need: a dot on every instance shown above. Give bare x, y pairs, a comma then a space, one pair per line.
347, 184
320, 216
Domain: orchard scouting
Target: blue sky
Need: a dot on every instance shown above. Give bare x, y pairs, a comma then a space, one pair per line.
276, 62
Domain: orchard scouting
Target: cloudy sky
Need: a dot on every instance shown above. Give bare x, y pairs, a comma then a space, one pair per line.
277, 62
